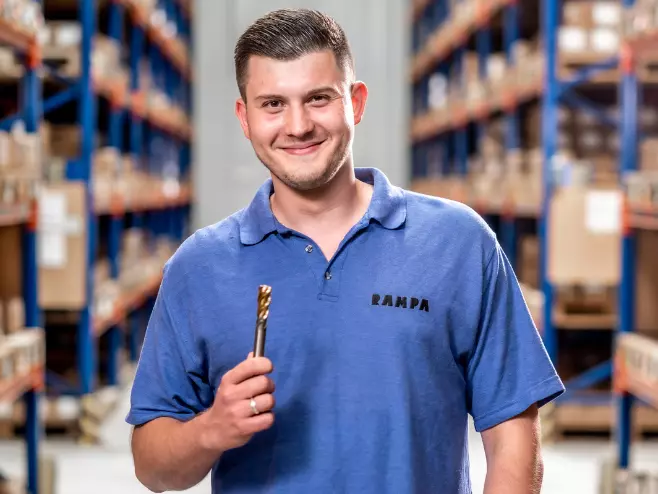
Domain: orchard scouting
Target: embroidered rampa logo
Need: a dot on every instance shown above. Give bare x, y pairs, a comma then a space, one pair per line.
401, 302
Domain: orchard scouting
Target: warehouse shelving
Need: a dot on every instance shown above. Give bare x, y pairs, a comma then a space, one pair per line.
150, 134
440, 35
159, 39
27, 383
636, 360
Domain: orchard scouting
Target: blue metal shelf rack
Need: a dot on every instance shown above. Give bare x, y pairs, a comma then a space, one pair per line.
149, 141
631, 90
152, 142
438, 45
29, 112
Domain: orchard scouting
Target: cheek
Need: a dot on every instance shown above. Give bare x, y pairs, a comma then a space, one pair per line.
335, 120
265, 129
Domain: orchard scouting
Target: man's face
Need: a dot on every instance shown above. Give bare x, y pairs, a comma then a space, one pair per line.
300, 117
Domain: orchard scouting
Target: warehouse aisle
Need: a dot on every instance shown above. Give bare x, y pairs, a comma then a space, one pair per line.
570, 468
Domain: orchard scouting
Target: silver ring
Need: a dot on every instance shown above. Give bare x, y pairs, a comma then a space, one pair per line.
252, 404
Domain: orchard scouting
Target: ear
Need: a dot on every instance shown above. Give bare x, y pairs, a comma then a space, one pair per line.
359, 98
241, 113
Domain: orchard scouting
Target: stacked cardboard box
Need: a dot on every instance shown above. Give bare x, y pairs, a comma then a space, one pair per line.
142, 259
106, 290
137, 265
21, 165
61, 43
640, 18
641, 188
589, 29
534, 299
62, 248
12, 316
28, 15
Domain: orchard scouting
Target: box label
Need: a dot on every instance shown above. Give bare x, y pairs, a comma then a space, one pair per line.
603, 210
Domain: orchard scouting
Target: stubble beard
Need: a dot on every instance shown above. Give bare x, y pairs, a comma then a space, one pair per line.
308, 183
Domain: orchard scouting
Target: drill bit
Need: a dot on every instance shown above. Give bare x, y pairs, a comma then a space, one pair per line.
264, 300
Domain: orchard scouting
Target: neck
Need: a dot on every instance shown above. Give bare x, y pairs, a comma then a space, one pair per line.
336, 206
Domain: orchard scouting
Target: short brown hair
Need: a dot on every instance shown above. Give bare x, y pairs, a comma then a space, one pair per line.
287, 34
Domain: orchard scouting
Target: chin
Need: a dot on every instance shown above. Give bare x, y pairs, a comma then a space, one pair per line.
308, 176
307, 173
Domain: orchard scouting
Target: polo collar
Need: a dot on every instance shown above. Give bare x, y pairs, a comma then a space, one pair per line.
387, 207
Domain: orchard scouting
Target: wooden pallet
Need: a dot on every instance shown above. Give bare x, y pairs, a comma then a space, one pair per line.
567, 421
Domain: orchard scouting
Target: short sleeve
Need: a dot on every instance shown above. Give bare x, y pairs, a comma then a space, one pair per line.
170, 380
509, 369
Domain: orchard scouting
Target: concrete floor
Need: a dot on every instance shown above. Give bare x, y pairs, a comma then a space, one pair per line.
570, 468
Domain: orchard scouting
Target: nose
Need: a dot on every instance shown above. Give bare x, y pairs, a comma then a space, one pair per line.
298, 122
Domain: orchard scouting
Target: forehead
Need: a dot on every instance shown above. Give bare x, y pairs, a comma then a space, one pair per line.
292, 76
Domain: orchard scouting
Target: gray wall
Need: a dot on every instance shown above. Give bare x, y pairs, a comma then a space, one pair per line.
227, 173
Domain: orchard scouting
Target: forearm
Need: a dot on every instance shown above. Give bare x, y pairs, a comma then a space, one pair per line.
170, 455
514, 460
514, 475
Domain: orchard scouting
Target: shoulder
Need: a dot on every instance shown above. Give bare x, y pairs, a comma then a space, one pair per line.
205, 250
449, 224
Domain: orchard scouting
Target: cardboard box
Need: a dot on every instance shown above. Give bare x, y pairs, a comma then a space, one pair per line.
639, 188
572, 40
438, 92
606, 13
604, 40
62, 248
648, 159
584, 238
11, 262
589, 14
65, 33
101, 271
496, 68
646, 283
470, 66
65, 140
14, 309
577, 13
534, 299
529, 261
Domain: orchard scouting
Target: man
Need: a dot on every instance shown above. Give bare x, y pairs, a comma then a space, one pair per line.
394, 315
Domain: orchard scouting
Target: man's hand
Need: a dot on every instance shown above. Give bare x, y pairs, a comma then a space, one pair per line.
172, 455
514, 463
231, 422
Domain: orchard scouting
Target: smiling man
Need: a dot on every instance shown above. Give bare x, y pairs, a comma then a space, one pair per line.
394, 315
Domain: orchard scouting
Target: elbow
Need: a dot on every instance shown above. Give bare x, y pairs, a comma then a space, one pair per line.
147, 479
539, 475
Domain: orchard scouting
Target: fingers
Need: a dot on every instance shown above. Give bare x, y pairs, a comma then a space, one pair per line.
257, 423
248, 369
264, 403
253, 387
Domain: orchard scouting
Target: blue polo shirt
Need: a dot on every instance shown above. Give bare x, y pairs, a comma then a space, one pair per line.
380, 353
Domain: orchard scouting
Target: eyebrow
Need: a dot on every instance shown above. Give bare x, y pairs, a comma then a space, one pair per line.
312, 92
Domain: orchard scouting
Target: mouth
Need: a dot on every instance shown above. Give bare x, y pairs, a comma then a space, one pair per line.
303, 149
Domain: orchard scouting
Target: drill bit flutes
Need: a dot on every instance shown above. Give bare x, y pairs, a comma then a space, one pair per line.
264, 300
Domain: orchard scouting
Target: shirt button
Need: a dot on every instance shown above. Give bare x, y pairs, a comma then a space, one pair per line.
327, 275
309, 249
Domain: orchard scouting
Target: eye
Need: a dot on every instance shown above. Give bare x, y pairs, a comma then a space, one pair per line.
272, 104
319, 99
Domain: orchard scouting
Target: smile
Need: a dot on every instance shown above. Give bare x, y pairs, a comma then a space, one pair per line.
304, 149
